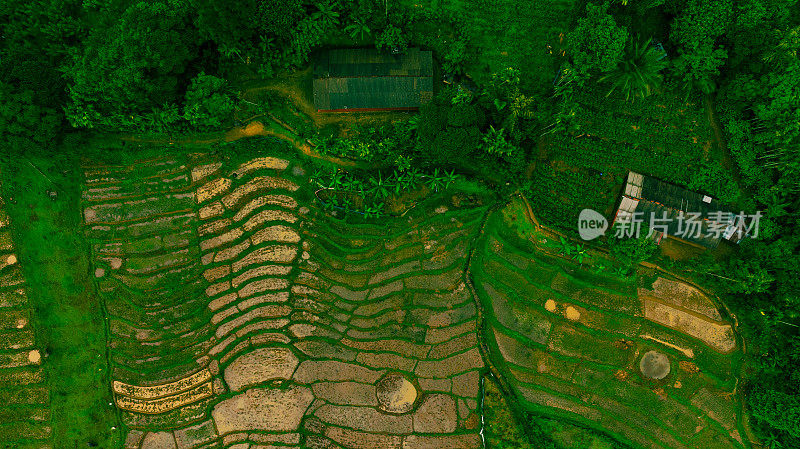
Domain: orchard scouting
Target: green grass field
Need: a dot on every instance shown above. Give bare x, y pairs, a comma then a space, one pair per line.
69, 314
569, 343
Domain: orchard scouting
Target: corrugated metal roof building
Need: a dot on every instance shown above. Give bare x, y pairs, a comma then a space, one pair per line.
678, 212
361, 79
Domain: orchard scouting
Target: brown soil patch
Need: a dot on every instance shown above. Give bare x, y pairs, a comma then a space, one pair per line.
157, 391
159, 440
717, 335
436, 414
263, 410
683, 295
260, 365
689, 367
163, 405
396, 394
34, 357
255, 128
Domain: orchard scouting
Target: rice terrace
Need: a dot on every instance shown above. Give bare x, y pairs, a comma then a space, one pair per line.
371, 224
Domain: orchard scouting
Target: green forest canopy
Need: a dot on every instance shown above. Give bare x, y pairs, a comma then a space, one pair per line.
173, 66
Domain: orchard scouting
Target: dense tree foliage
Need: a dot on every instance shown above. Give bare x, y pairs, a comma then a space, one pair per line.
175, 65
631, 250
116, 81
597, 43
209, 103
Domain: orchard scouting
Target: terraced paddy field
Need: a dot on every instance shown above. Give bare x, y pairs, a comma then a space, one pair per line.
647, 359
238, 312
242, 315
24, 393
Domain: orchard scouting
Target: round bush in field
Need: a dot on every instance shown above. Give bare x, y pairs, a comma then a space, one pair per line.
654, 365
396, 394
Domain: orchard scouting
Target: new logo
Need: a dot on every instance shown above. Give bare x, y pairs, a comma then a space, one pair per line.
591, 224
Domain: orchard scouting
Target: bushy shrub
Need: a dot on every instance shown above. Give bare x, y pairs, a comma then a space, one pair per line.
209, 103
631, 251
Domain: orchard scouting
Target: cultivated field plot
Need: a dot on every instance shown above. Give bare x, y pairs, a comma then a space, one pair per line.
141, 221
24, 394
661, 135
504, 33
243, 316
649, 361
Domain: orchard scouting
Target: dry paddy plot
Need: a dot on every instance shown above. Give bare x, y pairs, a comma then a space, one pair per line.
284, 331
390, 340
141, 220
604, 353
684, 308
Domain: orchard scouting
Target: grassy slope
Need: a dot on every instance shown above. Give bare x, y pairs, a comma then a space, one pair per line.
70, 319
502, 431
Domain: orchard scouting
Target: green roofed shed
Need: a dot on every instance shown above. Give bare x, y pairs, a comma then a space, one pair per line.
365, 80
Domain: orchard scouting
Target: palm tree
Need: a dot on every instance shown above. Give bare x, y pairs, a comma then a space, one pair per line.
788, 48
326, 12
358, 29
638, 75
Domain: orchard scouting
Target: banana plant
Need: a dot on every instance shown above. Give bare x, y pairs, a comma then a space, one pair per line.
449, 178
580, 253
317, 175
380, 187
621, 271
436, 180
409, 179
335, 181
373, 210
600, 267
395, 181
565, 247
346, 204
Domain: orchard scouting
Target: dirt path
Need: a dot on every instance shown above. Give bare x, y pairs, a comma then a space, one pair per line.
254, 128
297, 87
708, 103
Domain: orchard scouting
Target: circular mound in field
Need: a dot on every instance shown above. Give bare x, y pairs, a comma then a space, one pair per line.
654, 365
572, 314
34, 356
396, 394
